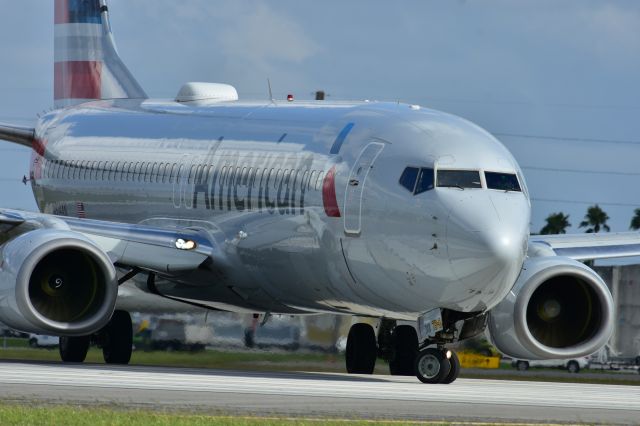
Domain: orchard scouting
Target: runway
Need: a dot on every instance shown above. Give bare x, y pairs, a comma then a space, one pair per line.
318, 394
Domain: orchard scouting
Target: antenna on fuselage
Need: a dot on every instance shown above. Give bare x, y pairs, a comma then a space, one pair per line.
273, 101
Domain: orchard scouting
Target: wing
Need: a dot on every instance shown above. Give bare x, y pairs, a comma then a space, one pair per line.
163, 250
590, 246
17, 134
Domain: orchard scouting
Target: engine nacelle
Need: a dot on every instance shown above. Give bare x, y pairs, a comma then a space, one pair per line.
56, 282
558, 308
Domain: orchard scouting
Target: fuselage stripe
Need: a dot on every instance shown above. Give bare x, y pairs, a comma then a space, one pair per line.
329, 199
335, 149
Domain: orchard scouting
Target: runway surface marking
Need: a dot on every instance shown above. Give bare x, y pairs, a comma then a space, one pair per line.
571, 395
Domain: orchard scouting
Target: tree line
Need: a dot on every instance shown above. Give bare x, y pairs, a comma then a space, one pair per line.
595, 220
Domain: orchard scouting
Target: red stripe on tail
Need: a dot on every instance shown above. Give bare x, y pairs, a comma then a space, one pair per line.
78, 80
62, 12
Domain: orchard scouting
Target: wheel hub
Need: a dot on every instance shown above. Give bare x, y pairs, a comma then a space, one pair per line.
429, 366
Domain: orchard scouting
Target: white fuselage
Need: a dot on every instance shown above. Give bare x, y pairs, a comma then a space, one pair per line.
304, 200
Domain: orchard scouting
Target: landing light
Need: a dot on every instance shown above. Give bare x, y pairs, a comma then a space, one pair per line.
185, 244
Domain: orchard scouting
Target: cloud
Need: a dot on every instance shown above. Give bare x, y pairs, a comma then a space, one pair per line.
262, 34
615, 30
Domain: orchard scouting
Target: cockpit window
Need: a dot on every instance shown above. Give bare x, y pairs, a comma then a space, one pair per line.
459, 179
502, 181
409, 177
425, 181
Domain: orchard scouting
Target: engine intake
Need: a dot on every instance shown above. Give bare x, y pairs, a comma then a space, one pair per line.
57, 282
558, 308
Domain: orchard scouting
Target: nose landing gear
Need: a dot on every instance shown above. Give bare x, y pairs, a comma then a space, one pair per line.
435, 365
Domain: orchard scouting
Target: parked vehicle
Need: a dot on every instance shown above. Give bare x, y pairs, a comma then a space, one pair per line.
573, 365
42, 341
273, 334
174, 335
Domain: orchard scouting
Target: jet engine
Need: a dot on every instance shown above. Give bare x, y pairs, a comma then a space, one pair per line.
558, 308
56, 282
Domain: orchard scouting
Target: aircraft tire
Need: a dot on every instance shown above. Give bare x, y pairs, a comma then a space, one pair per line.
432, 366
455, 369
74, 349
361, 349
404, 347
117, 339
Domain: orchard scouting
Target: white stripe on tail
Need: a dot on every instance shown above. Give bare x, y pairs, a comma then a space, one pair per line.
87, 65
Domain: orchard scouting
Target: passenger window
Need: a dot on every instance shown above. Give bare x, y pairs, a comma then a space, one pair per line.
223, 176
174, 171
312, 179
502, 181
263, 177
154, 173
272, 176
319, 181
425, 181
459, 179
105, 172
231, 176
138, 172
147, 172
86, 173
409, 177
121, 175
113, 173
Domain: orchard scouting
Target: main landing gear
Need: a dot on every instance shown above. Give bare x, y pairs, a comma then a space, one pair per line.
115, 339
399, 345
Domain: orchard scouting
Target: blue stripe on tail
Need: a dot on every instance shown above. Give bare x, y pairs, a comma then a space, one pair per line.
84, 12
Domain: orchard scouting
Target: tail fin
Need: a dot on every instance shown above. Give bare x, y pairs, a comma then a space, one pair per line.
87, 65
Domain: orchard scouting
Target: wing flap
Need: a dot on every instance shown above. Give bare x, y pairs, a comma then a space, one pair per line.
591, 246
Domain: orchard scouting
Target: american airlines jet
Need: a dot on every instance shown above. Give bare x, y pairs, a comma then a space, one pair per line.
380, 210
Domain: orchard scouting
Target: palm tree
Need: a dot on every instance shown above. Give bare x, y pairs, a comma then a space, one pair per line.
635, 221
557, 223
594, 220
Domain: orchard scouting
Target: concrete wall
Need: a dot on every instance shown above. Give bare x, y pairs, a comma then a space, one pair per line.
624, 282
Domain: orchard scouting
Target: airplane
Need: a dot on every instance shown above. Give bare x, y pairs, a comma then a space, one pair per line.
408, 215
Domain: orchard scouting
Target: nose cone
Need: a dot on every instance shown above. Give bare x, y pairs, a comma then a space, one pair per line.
487, 234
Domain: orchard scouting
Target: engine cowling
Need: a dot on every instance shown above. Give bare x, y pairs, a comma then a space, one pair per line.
558, 308
56, 282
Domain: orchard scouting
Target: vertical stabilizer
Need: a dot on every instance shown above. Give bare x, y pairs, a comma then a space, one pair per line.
87, 65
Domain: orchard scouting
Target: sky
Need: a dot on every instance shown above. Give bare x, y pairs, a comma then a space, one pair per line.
556, 82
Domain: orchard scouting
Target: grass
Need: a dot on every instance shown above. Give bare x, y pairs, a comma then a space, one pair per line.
252, 360
16, 414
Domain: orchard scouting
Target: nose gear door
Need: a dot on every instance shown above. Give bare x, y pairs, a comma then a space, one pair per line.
355, 187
